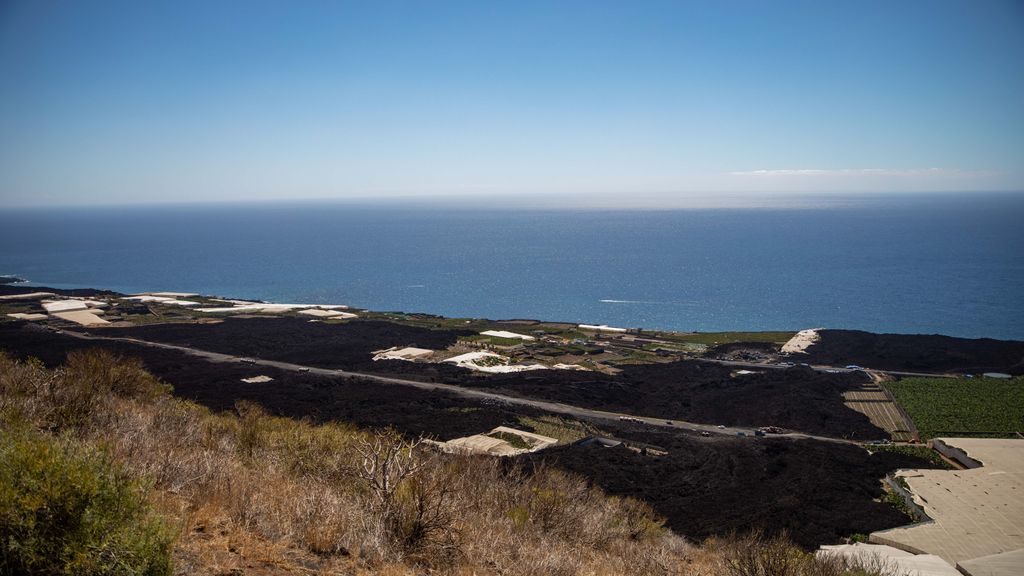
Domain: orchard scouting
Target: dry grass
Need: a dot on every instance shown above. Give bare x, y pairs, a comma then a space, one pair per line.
257, 494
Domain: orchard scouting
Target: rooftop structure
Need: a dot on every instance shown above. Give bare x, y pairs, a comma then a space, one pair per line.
974, 513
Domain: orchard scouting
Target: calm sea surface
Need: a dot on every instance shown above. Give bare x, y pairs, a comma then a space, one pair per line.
926, 264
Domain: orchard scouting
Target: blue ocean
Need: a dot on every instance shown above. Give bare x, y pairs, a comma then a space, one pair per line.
948, 264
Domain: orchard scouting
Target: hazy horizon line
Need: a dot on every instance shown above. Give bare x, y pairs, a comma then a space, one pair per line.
541, 201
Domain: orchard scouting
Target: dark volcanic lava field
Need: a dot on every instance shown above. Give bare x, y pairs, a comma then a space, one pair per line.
817, 491
928, 353
798, 399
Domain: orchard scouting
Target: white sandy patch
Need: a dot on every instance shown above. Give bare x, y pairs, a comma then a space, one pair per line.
506, 334
570, 367
257, 379
803, 340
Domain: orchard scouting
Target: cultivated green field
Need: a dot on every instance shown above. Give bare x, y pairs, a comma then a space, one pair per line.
976, 407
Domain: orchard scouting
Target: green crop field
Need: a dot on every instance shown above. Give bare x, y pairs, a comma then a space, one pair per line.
976, 406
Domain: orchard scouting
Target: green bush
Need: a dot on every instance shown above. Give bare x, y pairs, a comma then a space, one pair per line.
65, 509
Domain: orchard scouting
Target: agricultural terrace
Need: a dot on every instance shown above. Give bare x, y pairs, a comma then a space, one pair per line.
962, 406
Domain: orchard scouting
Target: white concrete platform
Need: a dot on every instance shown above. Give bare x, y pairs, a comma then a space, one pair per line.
1005, 564
903, 562
54, 306
28, 296
975, 512
31, 317
82, 317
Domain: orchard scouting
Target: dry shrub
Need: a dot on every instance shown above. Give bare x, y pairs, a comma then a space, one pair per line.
247, 487
757, 554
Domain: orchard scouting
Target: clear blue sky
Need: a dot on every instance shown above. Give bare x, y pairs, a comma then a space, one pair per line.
110, 102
